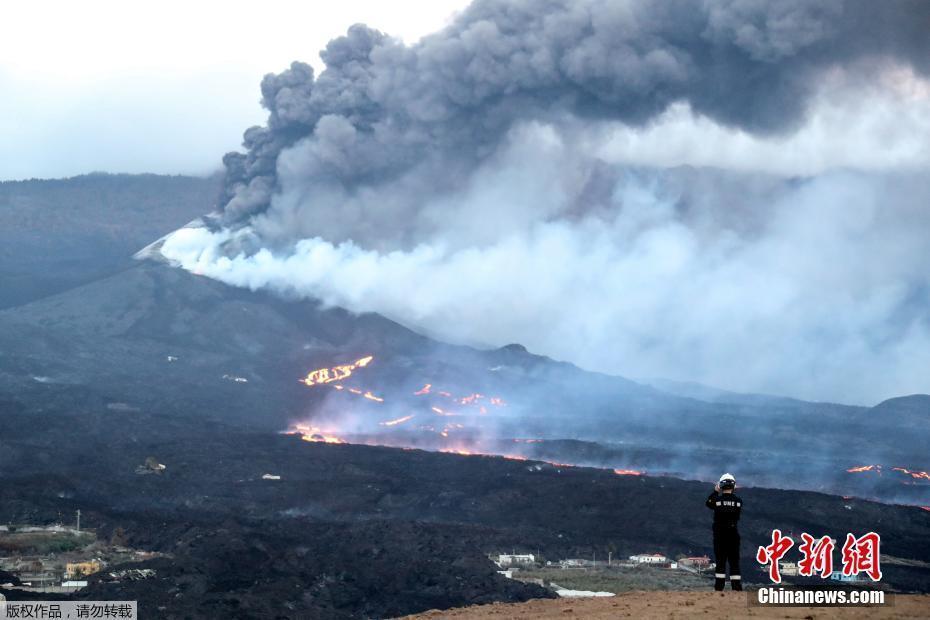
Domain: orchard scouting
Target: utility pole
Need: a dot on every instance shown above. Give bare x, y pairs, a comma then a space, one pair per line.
609, 555
78, 520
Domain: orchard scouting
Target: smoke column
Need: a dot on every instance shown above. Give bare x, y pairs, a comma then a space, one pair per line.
475, 187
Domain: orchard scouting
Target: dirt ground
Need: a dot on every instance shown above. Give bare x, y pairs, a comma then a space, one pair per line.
676, 605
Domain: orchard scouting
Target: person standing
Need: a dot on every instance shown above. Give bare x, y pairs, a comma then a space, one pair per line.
726, 506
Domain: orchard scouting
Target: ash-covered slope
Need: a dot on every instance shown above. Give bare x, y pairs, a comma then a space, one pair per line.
56, 234
914, 408
158, 340
157, 362
153, 335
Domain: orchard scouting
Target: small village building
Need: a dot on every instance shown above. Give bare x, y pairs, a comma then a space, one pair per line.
699, 562
649, 558
81, 569
505, 560
788, 568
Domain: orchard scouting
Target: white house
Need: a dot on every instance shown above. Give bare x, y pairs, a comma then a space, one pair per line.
649, 558
516, 560
700, 561
788, 568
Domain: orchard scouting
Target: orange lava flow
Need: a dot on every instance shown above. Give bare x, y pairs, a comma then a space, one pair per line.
314, 434
458, 451
920, 475
336, 373
397, 421
862, 468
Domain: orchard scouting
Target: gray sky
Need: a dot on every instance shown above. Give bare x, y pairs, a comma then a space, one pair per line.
166, 87
123, 87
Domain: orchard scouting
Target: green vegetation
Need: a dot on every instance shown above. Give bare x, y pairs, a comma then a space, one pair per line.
618, 579
42, 543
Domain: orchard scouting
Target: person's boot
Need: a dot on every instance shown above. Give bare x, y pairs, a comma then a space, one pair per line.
736, 583
719, 581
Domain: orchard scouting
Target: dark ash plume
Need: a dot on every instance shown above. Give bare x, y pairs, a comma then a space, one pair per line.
381, 111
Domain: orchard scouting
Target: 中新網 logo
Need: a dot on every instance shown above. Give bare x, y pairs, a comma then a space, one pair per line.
859, 555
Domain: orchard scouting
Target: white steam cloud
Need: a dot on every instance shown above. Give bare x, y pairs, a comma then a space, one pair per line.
732, 192
816, 287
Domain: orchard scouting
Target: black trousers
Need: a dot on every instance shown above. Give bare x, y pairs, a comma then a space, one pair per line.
726, 551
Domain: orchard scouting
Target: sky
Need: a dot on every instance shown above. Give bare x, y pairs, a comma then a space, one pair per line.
122, 87
163, 87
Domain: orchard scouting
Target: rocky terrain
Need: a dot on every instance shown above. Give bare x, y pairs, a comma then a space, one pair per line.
677, 605
155, 339
359, 531
155, 365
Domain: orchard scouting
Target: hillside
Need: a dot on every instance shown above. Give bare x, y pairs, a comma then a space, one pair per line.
153, 338
57, 234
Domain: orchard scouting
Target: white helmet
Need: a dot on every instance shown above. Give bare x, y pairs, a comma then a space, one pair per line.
727, 481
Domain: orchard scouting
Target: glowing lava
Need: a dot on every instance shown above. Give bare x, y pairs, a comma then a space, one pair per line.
863, 468
920, 475
323, 376
336, 373
314, 434
397, 421
469, 436
917, 475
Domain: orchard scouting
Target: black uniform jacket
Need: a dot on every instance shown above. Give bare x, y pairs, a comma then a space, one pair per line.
726, 507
